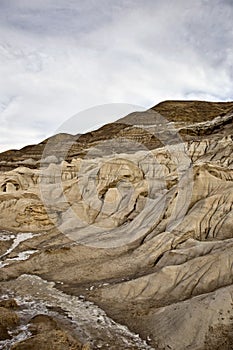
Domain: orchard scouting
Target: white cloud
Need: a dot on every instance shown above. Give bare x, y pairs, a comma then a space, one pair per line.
58, 58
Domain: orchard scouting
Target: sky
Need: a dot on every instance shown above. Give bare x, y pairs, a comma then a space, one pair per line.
61, 57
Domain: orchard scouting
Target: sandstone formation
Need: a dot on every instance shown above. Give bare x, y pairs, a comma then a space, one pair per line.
136, 218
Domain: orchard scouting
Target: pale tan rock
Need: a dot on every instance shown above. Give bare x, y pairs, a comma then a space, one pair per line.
147, 233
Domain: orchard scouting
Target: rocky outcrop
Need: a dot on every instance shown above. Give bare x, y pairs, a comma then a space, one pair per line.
192, 111
42, 331
133, 127
136, 217
48, 334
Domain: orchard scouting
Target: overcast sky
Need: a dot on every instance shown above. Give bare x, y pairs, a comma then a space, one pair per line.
59, 57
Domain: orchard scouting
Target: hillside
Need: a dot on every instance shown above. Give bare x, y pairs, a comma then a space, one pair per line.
131, 224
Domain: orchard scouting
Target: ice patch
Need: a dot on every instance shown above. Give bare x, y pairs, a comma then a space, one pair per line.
5, 236
18, 239
90, 322
19, 334
21, 237
21, 256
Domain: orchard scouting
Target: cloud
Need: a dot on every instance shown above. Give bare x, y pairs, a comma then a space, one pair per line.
58, 58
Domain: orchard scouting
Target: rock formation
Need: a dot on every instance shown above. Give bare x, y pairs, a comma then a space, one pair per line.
136, 218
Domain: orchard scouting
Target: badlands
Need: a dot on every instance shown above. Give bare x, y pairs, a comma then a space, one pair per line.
121, 238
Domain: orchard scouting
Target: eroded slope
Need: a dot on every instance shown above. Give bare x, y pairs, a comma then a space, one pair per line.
144, 232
